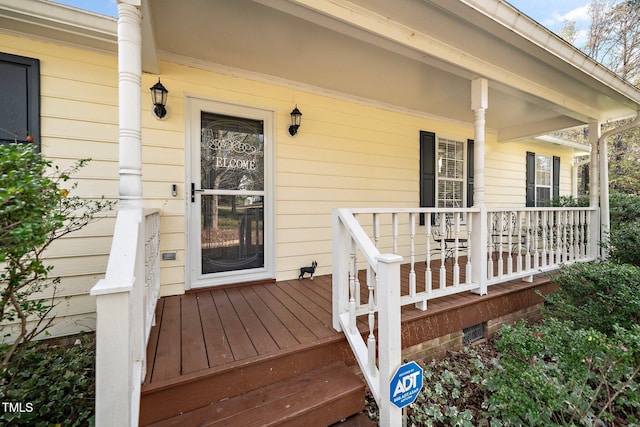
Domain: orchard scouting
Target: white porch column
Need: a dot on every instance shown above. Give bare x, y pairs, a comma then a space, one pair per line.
479, 103
120, 318
390, 335
594, 187
129, 84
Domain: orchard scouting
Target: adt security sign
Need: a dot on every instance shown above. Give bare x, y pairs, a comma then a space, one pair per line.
405, 384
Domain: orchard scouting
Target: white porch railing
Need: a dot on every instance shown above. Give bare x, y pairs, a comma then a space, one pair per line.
470, 250
125, 303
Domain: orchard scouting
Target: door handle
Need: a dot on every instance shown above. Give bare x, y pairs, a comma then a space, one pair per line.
194, 190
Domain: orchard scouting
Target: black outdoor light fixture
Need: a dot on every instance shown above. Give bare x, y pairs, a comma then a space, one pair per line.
296, 118
159, 99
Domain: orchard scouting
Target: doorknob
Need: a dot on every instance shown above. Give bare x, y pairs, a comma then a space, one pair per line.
194, 190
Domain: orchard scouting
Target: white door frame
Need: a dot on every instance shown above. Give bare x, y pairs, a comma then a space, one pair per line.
193, 276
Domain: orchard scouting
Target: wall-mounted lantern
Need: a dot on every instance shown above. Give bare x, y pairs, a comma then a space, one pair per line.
296, 118
159, 99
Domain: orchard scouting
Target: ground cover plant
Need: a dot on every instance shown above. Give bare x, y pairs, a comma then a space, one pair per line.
53, 385
40, 384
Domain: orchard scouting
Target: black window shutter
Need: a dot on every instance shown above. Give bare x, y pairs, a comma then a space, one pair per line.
20, 88
427, 171
470, 172
531, 179
556, 177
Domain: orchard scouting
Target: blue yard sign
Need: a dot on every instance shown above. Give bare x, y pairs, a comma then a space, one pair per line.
406, 384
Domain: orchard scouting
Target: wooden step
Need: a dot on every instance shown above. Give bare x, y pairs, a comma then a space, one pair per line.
316, 398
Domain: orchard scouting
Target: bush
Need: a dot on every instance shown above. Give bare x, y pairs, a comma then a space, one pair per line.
597, 296
54, 384
623, 208
624, 244
557, 374
35, 210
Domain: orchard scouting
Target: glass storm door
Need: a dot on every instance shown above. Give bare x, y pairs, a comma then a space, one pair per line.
230, 214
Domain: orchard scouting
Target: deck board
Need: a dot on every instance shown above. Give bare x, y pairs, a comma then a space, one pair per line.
293, 324
194, 350
307, 301
258, 334
217, 328
218, 347
275, 327
167, 360
319, 329
239, 341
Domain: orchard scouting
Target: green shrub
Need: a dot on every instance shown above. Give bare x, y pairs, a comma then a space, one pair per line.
623, 208
624, 243
56, 382
35, 210
558, 374
598, 295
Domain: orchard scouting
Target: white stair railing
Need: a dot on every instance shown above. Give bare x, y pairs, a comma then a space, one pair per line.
125, 305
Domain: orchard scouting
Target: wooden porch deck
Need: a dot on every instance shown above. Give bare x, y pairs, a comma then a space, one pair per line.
218, 343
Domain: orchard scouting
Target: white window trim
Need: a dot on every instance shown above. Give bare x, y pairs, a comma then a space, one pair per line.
537, 185
463, 180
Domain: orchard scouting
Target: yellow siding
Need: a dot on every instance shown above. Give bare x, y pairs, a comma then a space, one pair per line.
345, 155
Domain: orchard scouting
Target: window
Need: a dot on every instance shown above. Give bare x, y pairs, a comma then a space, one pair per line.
543, 179
446, 172
20, 88
450, 176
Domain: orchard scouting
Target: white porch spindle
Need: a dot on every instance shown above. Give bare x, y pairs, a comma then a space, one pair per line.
510, 230
469, 248
544, 238
428, 274
412, 255
529, 240
394, 223
537, 236
353, 271
456, 246
371, 340
443, 251
519, 220
355, 267
490, 225
500, 238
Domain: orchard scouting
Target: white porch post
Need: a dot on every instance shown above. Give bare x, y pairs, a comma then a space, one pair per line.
129, 85
594, 187
479, 104
390, 337
120, 319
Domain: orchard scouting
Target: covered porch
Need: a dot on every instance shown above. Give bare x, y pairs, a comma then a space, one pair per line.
401, 274
213, 345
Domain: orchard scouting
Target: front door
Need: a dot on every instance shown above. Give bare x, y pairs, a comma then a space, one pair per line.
230, 193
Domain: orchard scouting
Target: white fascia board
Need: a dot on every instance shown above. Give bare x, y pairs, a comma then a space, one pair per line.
59, 22
564, 142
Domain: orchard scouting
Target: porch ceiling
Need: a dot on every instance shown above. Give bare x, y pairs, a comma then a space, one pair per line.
413, 54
